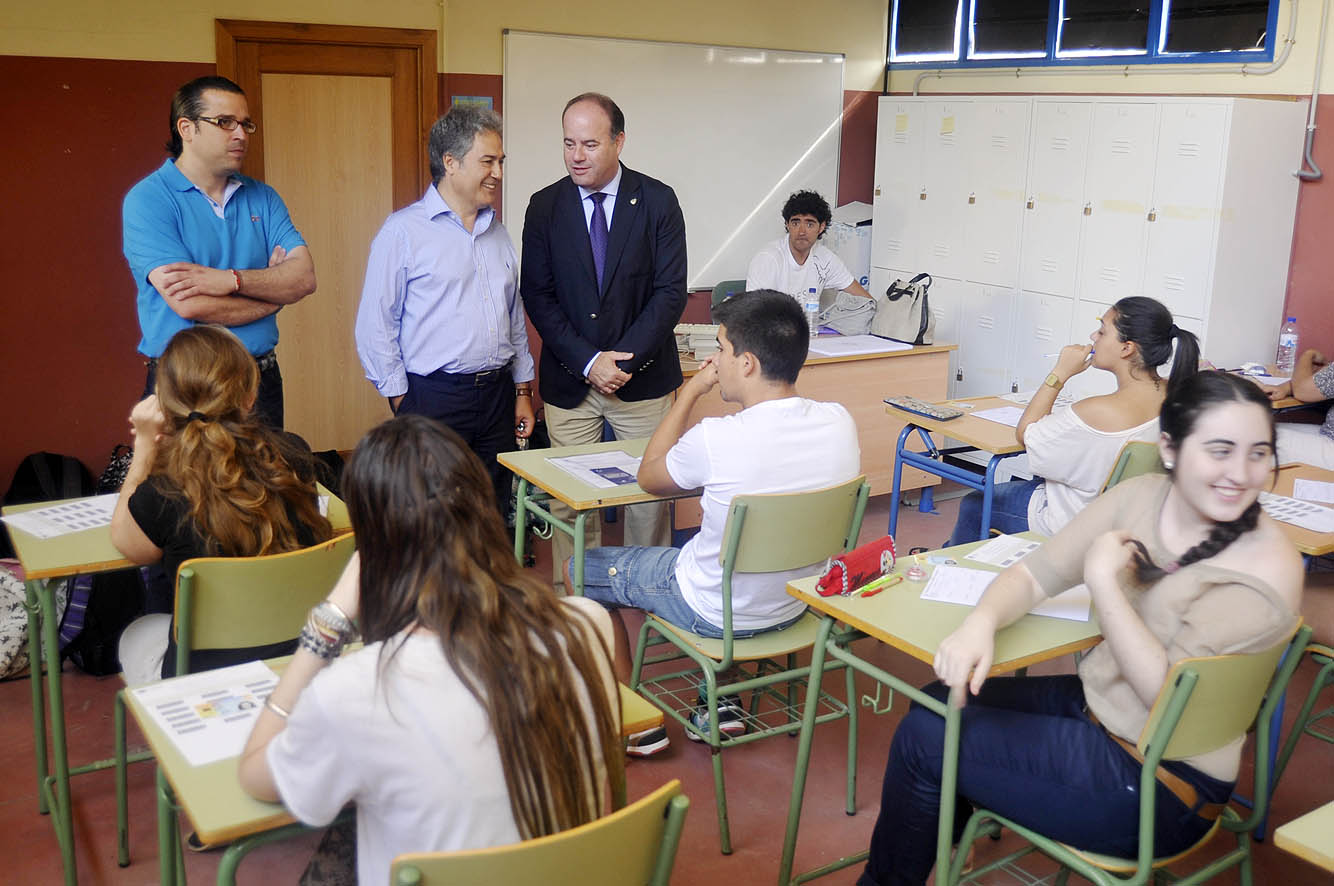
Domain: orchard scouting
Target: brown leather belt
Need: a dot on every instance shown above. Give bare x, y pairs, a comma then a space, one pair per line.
1182, 789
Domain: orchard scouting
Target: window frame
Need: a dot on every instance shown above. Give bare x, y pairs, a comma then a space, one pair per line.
1153, 53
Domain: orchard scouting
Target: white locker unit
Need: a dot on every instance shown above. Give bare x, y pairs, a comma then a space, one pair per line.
997, 168
1051, 222
1035, 214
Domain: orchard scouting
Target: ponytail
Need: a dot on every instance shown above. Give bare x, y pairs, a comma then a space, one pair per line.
1187, 360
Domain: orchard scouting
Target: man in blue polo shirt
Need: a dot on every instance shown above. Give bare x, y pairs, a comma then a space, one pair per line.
208, 245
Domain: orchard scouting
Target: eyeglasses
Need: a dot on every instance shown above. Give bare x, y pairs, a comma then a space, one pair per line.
227, 124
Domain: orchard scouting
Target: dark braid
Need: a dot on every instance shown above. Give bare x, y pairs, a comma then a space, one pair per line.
1222, 535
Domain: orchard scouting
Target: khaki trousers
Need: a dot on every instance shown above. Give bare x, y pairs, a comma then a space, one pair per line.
645, 524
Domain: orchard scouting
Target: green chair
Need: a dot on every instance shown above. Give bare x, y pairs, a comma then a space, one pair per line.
231, 603
1136, 457
1205, 704
763, 533
1321, 651
631, 847
724, 289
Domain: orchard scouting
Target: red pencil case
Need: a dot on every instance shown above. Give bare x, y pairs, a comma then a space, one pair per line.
857, 567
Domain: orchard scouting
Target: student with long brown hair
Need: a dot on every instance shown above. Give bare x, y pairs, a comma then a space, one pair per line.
482, 709
207, 479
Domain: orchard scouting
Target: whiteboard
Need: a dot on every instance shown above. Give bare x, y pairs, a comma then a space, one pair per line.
733, 131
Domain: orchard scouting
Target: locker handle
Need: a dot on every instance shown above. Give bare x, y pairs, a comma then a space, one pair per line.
972, 198
1088, 208
1153, 215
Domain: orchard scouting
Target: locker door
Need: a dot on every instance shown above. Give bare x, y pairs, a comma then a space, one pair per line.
1117, 187
898, 184
1184, 209
1042, 326
948, 125
986, 328
1050, 249
997, 167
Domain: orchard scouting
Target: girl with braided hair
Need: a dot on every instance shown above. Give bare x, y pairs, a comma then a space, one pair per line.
208, 480
1180, 564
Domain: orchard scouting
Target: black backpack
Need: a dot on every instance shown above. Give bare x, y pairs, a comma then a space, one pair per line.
45, 476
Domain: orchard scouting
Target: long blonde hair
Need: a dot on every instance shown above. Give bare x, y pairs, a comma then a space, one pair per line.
248, 488
435, 553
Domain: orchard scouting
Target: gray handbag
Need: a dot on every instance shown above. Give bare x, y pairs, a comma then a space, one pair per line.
849, 314
903, 314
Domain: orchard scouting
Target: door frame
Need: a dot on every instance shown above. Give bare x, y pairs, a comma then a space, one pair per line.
248, 49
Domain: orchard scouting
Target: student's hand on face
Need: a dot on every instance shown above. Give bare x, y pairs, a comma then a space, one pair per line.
1072, 360
147, 420
707, 376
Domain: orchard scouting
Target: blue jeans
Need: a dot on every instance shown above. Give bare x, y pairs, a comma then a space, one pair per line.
1009, 511
1027, 750
645, 578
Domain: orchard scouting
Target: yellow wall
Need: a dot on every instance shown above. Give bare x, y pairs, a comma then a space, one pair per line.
182, 30
1293, 78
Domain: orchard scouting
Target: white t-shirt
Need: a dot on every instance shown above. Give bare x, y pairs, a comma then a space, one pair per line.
788, 445
412, 748
773, 267
1074, 459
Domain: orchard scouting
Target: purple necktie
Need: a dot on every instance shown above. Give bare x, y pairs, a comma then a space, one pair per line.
597, 235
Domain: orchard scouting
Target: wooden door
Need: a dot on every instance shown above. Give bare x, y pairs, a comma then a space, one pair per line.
343, 116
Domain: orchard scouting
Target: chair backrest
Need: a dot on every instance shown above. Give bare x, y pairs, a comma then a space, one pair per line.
787, 530
1136, 457
235, 602
1227, 694
631, 847
724, 289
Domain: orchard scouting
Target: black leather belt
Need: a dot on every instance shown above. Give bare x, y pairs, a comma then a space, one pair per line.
264, 361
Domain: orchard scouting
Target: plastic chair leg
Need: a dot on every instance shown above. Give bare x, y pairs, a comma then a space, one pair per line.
122, 791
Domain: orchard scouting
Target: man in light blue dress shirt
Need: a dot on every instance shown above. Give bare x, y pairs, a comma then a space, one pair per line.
440, 330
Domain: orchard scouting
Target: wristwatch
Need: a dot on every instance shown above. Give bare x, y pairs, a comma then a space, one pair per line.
1053, 381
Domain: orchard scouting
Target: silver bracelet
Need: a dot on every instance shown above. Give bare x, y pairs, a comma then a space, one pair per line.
313, 641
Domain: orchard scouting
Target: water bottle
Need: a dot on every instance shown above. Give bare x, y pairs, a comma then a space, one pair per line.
812, 305
1286, 358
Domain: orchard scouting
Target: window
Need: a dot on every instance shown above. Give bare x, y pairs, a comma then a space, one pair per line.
1009, 29
1009, 33
925, 29
1215, 25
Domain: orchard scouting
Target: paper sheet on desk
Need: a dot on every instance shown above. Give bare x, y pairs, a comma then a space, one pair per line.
208, 716
62, 519
604, 470
1297, 513
1004, 550
851, 345
964, 586
1002, 415
1313, 490
1023, 398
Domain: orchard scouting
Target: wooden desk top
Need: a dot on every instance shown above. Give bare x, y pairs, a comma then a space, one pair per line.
221, 811
1310, 837
533, 466
92, 551
690, 367
989, 436
899, 617
1308, 541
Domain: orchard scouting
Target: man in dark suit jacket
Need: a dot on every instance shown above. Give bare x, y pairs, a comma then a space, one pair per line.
604, 280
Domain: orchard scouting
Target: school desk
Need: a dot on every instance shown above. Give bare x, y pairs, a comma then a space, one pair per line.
1308, 541
1310, 837
902, 620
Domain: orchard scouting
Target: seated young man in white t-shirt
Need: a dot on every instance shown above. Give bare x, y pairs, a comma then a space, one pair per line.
796, 263
778, 442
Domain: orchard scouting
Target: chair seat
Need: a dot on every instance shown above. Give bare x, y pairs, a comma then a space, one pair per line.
1119, 865
637, 714
793, 638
